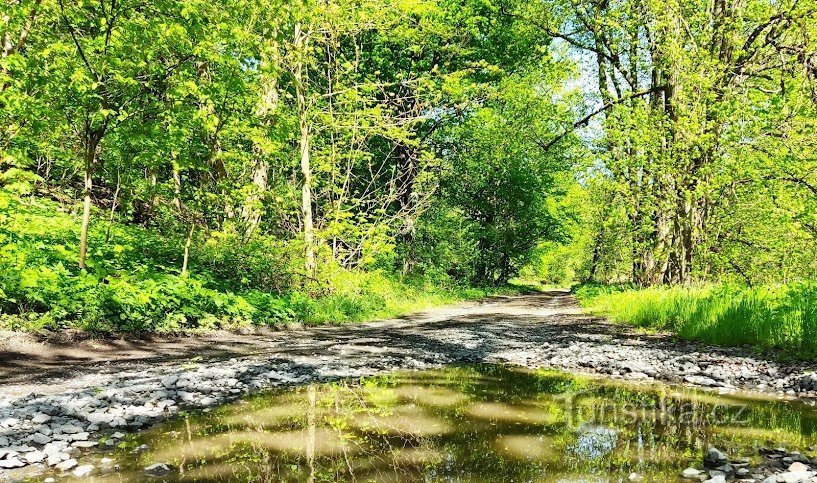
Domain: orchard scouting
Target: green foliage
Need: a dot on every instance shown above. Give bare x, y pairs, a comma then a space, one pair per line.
133, 283
772, 317
496, 201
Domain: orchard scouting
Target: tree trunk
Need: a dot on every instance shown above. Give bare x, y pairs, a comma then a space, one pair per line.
90, 162
187, 244
177, 187
306, 168
251, 213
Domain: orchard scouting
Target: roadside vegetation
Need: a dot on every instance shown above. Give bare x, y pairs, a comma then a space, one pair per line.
767, 317
177, 165
130, 284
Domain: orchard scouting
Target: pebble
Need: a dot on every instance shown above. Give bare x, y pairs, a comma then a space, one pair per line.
11, 462
715, 458
35, 456
716, 479
67, 464
40, 418
157, 470
798, 467
83, 471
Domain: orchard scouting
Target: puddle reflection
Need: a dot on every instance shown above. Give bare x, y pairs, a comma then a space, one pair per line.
474, 423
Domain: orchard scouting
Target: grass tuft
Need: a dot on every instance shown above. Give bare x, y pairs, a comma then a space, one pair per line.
770, 317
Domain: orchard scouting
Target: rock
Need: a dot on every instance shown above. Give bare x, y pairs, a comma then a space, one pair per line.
84, 444
40, 438
157, 470
49, 480
11, 462
790, 477
9, 422
635, 477
716, 479
726, 469
702, 381
743, 472
715, 458
35, 456
100, 417
170, 381
691, 473
67, 464
40, 418
55, 447
798, 466
83, 471
68, 429
117, 435
55, 458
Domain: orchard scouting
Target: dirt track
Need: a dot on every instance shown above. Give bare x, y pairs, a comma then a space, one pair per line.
539, 330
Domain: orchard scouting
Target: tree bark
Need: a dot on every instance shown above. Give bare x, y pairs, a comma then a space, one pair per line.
251, 213
306, 168
177, 187
90, 162
187, 244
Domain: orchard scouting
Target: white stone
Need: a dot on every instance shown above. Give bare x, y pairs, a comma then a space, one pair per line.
790, 477
40, 438
40, 418
84, 444
797, 466
35, 456
12, 462
54, 459
9, 422
67, 464
100, 417
82, 471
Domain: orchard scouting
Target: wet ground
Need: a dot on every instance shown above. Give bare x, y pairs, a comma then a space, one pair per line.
467, 423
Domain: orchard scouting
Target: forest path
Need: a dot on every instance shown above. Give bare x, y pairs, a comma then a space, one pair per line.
536, 330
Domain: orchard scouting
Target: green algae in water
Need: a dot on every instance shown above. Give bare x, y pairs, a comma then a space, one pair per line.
475, 423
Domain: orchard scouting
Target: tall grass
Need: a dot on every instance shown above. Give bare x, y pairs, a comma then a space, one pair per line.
771, 317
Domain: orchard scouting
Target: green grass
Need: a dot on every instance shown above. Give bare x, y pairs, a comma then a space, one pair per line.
133, 281
770, 317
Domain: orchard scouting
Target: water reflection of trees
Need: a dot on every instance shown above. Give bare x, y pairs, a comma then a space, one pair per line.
471, 423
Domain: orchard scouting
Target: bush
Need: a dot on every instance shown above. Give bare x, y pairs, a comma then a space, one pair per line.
133, 283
